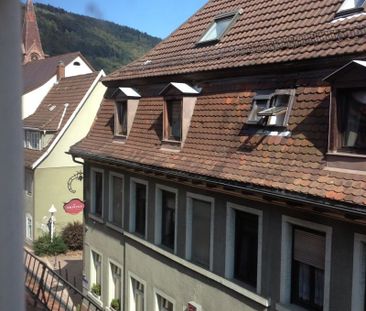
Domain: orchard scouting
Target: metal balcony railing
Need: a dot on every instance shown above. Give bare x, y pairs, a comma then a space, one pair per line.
51, 290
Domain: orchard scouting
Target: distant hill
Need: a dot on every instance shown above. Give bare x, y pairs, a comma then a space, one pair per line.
106, 45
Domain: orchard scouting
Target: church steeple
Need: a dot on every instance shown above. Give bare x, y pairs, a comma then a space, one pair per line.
32, 46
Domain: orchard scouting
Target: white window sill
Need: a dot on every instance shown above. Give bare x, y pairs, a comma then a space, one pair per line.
96, 218
114, 227
288, 307
96, 299
266, 302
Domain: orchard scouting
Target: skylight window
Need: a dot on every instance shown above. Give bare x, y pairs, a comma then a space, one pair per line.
217, 28
351, 6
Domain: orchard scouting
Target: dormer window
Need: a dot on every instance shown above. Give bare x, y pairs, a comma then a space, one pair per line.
33, 139
179, 102
173, 120
126, 102
350, 6
352, 120
120, 124
272, 108
218, 28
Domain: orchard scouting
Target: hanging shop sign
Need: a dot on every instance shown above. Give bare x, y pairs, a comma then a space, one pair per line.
75, 206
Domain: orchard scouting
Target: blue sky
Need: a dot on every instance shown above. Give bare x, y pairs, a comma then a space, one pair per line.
155, 17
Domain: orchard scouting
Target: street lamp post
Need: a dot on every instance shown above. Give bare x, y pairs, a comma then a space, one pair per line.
52, 221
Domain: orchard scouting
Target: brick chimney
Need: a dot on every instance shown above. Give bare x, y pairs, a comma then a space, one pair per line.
60, 71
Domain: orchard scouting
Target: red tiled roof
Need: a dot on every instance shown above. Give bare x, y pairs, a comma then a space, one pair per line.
271, 31
52, 114
217, 146
38, 72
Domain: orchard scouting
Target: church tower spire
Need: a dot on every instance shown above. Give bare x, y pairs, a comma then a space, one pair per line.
32, 46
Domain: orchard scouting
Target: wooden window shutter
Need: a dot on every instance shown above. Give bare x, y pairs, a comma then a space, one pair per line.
309, 248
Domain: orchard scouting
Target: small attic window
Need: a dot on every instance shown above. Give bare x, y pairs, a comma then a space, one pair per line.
272, 108
350, 6
218, 28
76, 63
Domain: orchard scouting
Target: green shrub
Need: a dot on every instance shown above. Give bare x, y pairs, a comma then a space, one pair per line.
72, 234
96, 289
43, 246
116, 304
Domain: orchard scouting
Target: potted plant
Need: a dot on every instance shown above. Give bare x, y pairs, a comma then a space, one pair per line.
116, 304
96, 289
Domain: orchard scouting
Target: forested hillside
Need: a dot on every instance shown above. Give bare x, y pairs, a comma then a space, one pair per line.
106, 45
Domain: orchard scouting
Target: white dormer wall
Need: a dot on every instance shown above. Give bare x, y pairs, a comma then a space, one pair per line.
32, 99
73, 70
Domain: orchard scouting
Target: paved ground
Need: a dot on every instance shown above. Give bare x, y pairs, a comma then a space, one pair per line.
69, 266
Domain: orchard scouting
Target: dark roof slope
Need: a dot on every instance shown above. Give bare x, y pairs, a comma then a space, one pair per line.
270, 31
217, 147
52, 114
39, 72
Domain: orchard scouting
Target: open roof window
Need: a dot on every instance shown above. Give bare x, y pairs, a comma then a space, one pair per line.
350, 6
218, 28
272, 108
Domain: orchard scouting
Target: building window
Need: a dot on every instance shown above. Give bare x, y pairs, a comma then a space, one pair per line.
350, 6
97, 192
271, 108
166, 204
218, 28
28, 182
163, 302
305, 264
138, 200
29, 226
349, 127
120, 119
173, 120
96, 274
32, 140
243, 245
116, 199
137, 299
359, 273
199, 244
308, 268
115, 286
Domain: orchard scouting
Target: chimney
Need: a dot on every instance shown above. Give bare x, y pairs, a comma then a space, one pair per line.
60, 71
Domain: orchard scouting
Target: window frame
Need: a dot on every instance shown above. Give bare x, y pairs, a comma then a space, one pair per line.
118, 127
350, 11
94, 170
160, 293
30, 136
93, 275
335, 135
286, 258
359, 273
158, 215
131, 298
28, 182
166, 123
218, 18
264, 121
188, 251
132, 220
110, 280
231, 208
110, 205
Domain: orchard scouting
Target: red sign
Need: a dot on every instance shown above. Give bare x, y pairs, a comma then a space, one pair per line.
75, 206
